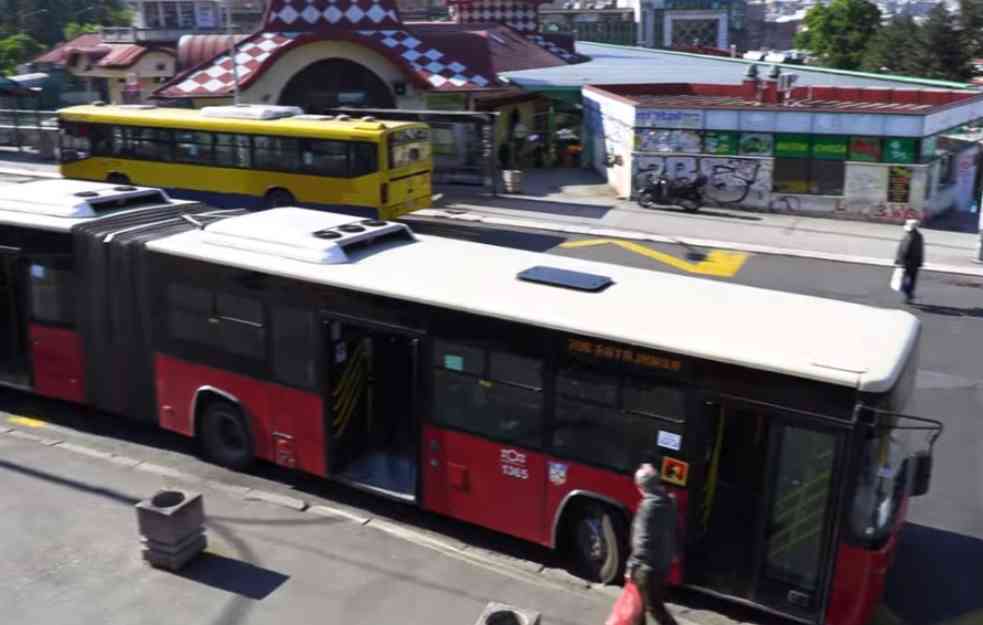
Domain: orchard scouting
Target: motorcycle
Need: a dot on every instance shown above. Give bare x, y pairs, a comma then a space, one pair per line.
682, 192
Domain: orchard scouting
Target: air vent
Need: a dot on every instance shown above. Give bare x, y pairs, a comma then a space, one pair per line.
327, 234
343, 118
315, 118
576, 280
375, 223
86, 194
351, 228
368, 118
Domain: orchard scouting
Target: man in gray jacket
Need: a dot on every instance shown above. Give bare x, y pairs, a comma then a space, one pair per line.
653, 543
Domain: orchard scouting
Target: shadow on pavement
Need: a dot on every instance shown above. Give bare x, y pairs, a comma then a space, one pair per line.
954, 221
233, 576
936, 577
106, 493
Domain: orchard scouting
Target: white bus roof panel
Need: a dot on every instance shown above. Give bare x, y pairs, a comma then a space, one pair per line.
809, 337
59, 204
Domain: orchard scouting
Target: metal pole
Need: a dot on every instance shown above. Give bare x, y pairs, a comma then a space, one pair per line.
232, 54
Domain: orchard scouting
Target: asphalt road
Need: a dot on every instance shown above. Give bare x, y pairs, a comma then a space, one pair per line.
941, 552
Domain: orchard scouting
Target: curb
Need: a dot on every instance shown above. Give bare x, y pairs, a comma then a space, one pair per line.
469, 216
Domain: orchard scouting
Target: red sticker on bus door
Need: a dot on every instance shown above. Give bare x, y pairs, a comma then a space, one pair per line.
675, 471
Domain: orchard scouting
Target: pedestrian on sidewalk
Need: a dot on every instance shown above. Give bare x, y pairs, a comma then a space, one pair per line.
911, 255
653, 540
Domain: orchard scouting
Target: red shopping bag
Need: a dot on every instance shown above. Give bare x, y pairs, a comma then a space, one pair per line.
628, 608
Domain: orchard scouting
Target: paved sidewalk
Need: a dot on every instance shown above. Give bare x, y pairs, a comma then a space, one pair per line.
789, 235
72, 555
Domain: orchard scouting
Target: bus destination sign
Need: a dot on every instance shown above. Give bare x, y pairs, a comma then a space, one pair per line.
607, 351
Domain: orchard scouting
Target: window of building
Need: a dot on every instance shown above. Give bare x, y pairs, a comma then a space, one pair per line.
791, 175
828, 177
151, 15
468, 396
186, 15
169, 14
52, 286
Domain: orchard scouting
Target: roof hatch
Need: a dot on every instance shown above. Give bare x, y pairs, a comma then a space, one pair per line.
565, 278
305, 235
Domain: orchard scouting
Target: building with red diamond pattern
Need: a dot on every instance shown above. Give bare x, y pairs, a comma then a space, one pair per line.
321, 54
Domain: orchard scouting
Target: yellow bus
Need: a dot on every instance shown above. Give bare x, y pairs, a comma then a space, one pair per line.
253, 155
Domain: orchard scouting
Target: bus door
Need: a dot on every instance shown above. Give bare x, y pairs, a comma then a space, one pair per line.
371, 405
763, 529
13, 317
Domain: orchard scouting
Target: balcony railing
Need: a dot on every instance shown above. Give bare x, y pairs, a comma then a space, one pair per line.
129, 34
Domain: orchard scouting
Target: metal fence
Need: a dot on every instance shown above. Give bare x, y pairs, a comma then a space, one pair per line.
620, 32
29, 128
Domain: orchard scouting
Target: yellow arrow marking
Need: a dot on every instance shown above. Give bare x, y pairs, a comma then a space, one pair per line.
717, 263
26, 421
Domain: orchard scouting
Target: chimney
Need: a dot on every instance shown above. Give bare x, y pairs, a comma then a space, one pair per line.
771, 85
750, 84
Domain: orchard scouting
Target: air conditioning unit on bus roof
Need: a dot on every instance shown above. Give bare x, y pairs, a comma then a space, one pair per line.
305, 235
76, 199
252, 111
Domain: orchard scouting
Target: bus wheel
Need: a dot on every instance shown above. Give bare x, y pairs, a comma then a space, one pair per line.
599, 543
225, 437
118, 178
279, 197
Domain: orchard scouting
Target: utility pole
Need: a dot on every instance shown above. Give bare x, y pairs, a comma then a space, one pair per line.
232, 52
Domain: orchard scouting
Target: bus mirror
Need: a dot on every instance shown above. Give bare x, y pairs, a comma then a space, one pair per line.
922, 462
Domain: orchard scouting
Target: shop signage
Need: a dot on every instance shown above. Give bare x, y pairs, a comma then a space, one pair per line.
899, 184
830, 148
865, 149
756, 144
794, 146
720, 142
668, 118
447, 101
928, 148
899, 150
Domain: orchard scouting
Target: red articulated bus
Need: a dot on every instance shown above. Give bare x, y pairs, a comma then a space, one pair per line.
509, 389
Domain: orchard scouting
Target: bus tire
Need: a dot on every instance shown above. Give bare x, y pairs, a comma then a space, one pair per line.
598, 542
225, 436
117, 178
275, 198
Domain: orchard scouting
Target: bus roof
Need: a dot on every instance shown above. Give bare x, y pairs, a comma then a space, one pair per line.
192, 119
836, 342
60, 204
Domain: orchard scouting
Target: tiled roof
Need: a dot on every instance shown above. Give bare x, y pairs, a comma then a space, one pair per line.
320, 15
506, 49
59, 53
196, 49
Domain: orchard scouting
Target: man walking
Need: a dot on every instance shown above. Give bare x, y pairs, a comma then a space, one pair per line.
911, 254
653, 540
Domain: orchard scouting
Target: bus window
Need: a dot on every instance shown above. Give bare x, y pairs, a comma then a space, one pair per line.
364, 159
294, 345
52, 292
151, 143
326, 158
193, 147
881, 484
655, 400
241, 328
232, 150
276, 153
467, 398
188, 312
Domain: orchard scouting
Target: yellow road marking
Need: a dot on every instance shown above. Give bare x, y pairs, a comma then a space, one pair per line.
27, 421
717, 262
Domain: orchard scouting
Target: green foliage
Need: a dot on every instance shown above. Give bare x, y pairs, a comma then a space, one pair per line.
47, 20
17, 49
838, 33
943, 53
895, 49
74, 29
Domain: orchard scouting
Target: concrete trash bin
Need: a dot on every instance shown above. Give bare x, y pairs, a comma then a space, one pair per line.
512, 179
502, 614
172, 528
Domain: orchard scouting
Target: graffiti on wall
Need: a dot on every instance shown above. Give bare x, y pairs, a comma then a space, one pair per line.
844, 207
744, 181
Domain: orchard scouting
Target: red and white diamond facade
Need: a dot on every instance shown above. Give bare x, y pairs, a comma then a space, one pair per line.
441, 56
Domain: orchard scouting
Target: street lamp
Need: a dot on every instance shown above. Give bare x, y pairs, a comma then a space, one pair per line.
232, 52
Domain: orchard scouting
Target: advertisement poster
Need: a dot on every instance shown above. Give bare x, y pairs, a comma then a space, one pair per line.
899, 184
830, 148
756, 144
865, 149
720, 142
899, 150
686, 141
793, 146
654, 118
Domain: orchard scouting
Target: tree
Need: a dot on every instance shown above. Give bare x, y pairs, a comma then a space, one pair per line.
895, 49
838, 33
943, 53
971, 23
17, 49
74, 29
